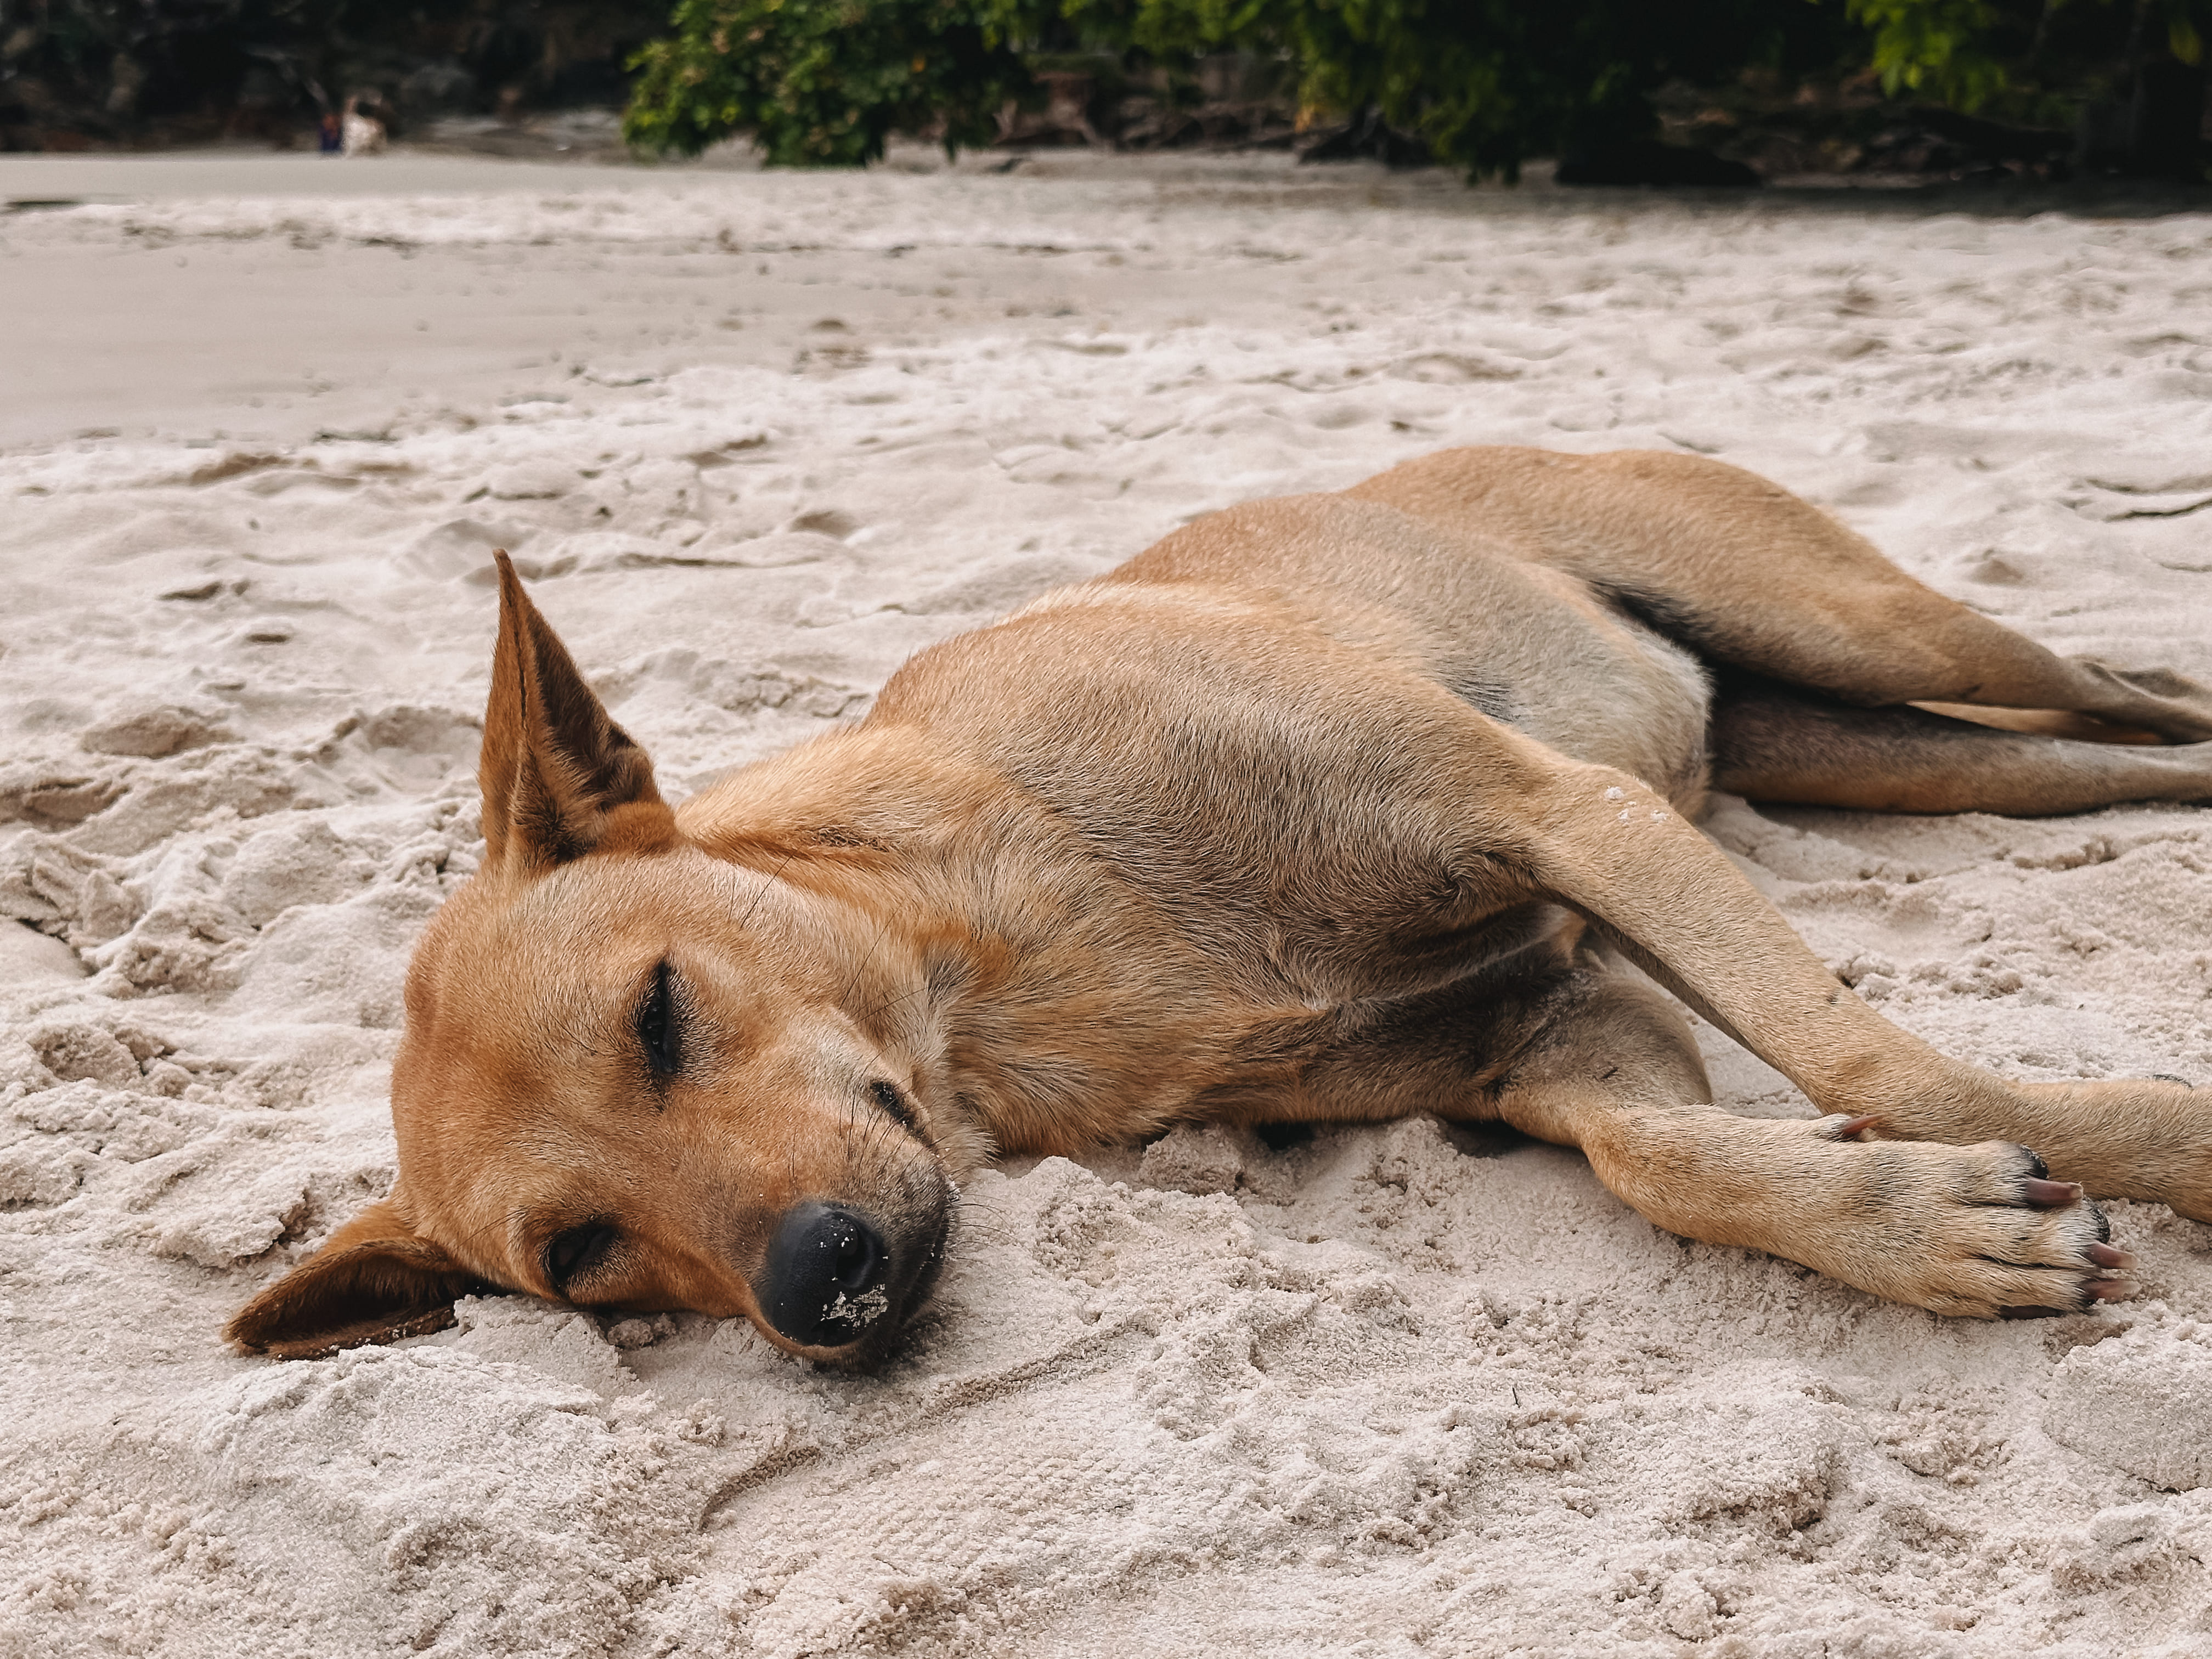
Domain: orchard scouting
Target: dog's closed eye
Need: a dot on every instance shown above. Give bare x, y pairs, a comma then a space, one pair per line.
887, 1095
660, 1032
577, 1250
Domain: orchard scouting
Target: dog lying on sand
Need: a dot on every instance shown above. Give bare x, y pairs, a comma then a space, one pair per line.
1333, 808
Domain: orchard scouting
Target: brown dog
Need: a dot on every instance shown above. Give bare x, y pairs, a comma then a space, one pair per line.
1337, 807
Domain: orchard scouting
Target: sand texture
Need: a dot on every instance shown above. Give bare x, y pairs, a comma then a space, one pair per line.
757, 437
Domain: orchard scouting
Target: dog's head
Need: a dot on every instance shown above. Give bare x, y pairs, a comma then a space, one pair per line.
635, 1075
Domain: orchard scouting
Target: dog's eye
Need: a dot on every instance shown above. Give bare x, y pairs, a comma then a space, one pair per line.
657, 1031
886, 1095
577, 1250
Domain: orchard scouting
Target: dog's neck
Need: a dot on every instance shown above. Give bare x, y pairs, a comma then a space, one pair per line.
1021, 977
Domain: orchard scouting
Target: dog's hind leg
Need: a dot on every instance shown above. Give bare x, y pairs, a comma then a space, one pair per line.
1750, 577
1776, 743
1975, 1230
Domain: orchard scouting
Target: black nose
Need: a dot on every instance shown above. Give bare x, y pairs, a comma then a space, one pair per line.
822, 1283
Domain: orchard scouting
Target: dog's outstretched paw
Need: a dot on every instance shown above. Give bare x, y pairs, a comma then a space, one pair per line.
2071, 1254
1978, 1231
2045, 1194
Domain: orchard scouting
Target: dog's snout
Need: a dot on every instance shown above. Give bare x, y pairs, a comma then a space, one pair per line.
822, 1284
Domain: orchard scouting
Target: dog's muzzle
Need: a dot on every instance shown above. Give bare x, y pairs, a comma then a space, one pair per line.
826, 1281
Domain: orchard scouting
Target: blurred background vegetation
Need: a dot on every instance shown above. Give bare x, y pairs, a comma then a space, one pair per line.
1686, 91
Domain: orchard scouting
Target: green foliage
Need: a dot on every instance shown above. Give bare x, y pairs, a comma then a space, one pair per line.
1178, 28
1951, 50
1484, 84
824, 82
1933, 46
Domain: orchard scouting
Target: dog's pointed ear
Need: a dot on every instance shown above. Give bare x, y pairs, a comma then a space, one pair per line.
559, 777
375, 1280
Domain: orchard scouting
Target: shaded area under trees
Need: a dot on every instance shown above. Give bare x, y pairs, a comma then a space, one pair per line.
1689, 91
76, 74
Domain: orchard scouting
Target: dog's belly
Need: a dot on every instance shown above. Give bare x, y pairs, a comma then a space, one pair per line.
1537, 649
1611, 693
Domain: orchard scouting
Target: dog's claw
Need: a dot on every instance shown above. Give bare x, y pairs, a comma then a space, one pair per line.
2048, 1194
1855, 1126
2105, 1257
2110, 1290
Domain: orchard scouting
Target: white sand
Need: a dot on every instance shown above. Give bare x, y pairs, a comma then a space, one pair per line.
760, 436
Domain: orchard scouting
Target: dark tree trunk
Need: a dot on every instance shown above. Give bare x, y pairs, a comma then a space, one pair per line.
2154, 128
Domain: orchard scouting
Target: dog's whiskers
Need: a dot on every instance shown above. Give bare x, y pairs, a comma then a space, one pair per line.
867, 960
893, 1002
767, 882
974, 1218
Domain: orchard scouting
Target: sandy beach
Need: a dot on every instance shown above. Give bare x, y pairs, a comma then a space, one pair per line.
755, 438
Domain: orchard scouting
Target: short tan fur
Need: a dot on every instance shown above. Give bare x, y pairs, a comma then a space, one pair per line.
1336, 807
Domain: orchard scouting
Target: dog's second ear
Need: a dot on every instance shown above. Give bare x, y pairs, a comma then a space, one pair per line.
376, 1280
559, 777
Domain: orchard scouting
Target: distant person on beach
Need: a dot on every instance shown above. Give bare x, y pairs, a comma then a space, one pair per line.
364, 134
330, 134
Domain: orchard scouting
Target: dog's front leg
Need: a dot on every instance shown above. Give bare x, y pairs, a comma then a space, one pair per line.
1610, 847
1976, 1230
